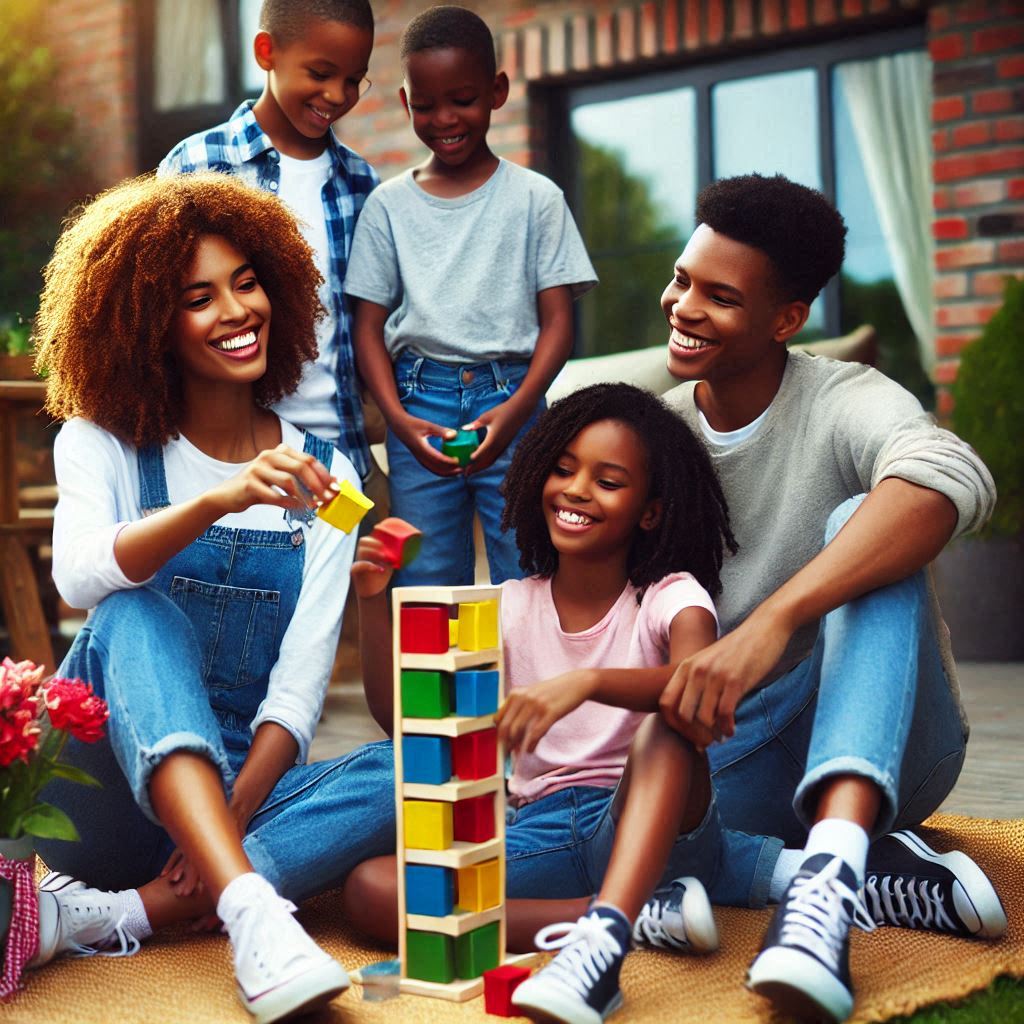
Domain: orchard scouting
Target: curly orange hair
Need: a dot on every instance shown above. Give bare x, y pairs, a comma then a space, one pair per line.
114, 284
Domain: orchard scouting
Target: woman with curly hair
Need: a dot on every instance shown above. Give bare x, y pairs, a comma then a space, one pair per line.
174, 313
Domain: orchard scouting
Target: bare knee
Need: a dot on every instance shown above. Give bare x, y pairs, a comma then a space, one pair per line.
370, 898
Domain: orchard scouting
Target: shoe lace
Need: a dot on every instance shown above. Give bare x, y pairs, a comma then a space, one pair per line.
587, 951
650, 924
258, 933
819, 911
85, 913
907, 903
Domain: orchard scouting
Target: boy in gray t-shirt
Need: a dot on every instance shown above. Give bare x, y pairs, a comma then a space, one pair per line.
464, 270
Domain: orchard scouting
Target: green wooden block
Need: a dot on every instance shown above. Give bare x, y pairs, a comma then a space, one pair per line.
430, 956
477, 951
426, 694
461, 446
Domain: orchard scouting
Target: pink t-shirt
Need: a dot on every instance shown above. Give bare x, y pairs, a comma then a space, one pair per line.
589, 746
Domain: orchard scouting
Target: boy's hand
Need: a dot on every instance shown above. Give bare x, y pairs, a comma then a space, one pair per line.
371, 572
529, 711
706, 688
278, 476
413, 433
502, 423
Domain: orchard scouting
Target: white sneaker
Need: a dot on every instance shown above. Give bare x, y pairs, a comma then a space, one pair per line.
80, 921
678, 917
280, 970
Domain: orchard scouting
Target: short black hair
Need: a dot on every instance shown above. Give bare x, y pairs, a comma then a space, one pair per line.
796, 227
286, 20
694, 528
450, 27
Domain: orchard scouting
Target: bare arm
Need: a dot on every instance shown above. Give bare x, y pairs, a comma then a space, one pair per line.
370, 578
145, 545
379, 376
528, 712
272, 753
554, 345
899, 529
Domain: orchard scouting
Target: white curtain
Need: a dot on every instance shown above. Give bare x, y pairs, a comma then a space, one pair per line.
890, 105
189, 58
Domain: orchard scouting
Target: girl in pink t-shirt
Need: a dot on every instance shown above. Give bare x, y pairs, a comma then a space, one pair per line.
621, 526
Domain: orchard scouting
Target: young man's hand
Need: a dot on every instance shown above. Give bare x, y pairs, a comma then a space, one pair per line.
706, 688
502, 423
529, 711
414, 432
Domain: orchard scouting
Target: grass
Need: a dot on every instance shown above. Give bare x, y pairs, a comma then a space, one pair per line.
1001, 1003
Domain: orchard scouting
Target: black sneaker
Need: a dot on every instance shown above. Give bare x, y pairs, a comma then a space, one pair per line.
909, 885
678, 917
804, 963
581, 984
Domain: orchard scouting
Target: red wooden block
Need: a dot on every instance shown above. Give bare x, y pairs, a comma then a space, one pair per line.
401, 541
475, 754
424, 629
499, 984
473, 819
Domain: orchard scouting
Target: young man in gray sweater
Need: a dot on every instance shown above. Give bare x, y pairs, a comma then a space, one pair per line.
832, 685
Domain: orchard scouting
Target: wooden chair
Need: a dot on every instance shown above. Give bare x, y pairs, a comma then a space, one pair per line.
20, 529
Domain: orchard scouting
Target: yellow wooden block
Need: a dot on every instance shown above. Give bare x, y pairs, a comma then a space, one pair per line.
479, 886
478, 625
347, 509
428, 824
453, 632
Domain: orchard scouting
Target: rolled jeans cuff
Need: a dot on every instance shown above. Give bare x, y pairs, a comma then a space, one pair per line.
805, 798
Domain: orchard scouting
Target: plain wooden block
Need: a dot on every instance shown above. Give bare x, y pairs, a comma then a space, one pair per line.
347, 509
474, 755
424, 629
426, 759
478, 625
429, 890
473, 819
499, 984
401, 541
476, 951
426, 693
430, 956
476, 691
479, 886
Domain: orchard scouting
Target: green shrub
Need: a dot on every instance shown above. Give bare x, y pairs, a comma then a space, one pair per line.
989, 410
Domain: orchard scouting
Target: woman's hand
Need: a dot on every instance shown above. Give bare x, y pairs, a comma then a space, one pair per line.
529, 711
278, 476
414, 432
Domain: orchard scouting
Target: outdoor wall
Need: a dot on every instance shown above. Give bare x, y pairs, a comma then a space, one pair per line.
95, 43
977, 49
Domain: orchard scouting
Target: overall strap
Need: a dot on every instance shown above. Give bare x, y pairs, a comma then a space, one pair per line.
152, 479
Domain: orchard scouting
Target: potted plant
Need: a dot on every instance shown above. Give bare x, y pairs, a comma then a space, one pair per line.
980, 579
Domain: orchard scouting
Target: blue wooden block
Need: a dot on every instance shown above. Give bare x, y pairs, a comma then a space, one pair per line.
429, 890
476, 692
426, 759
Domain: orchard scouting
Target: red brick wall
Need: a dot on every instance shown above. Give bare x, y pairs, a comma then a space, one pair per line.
978, 137
95, 43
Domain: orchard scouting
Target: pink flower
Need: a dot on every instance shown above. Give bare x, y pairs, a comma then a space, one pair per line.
74, 707
18, 681
19, 730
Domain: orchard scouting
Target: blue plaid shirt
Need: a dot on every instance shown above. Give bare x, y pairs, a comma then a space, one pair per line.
241, 147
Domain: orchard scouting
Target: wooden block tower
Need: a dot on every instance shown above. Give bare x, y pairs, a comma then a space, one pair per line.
449, 788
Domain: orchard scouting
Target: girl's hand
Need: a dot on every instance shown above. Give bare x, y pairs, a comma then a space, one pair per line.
181, 874
371, 574
529, 711
304, 481
502, 423
413, 433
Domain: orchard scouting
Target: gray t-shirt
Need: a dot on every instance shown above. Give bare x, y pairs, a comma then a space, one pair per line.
833, 430
461, 276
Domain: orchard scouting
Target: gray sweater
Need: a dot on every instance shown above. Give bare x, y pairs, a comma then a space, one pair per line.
834, 430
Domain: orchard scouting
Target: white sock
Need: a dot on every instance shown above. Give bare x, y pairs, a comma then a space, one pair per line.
786, 867
243, 892
135, 919
842, 839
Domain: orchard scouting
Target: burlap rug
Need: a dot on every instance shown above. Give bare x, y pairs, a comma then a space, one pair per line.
187, 978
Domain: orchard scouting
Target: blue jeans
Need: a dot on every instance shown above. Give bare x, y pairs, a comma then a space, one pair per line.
442, 507
140, 652
871, 700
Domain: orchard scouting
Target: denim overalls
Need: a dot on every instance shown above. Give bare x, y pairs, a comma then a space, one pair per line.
184, 664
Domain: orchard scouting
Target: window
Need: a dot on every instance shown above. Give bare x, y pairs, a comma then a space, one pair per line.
202, 65
640, 149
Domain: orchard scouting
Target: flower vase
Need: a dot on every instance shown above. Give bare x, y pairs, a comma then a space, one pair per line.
19, 910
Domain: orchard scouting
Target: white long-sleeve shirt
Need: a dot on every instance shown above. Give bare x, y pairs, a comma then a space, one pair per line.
98, 481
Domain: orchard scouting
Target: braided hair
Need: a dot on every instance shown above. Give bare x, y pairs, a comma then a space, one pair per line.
693, 532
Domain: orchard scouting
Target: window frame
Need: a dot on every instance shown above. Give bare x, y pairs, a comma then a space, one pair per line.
561, 100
